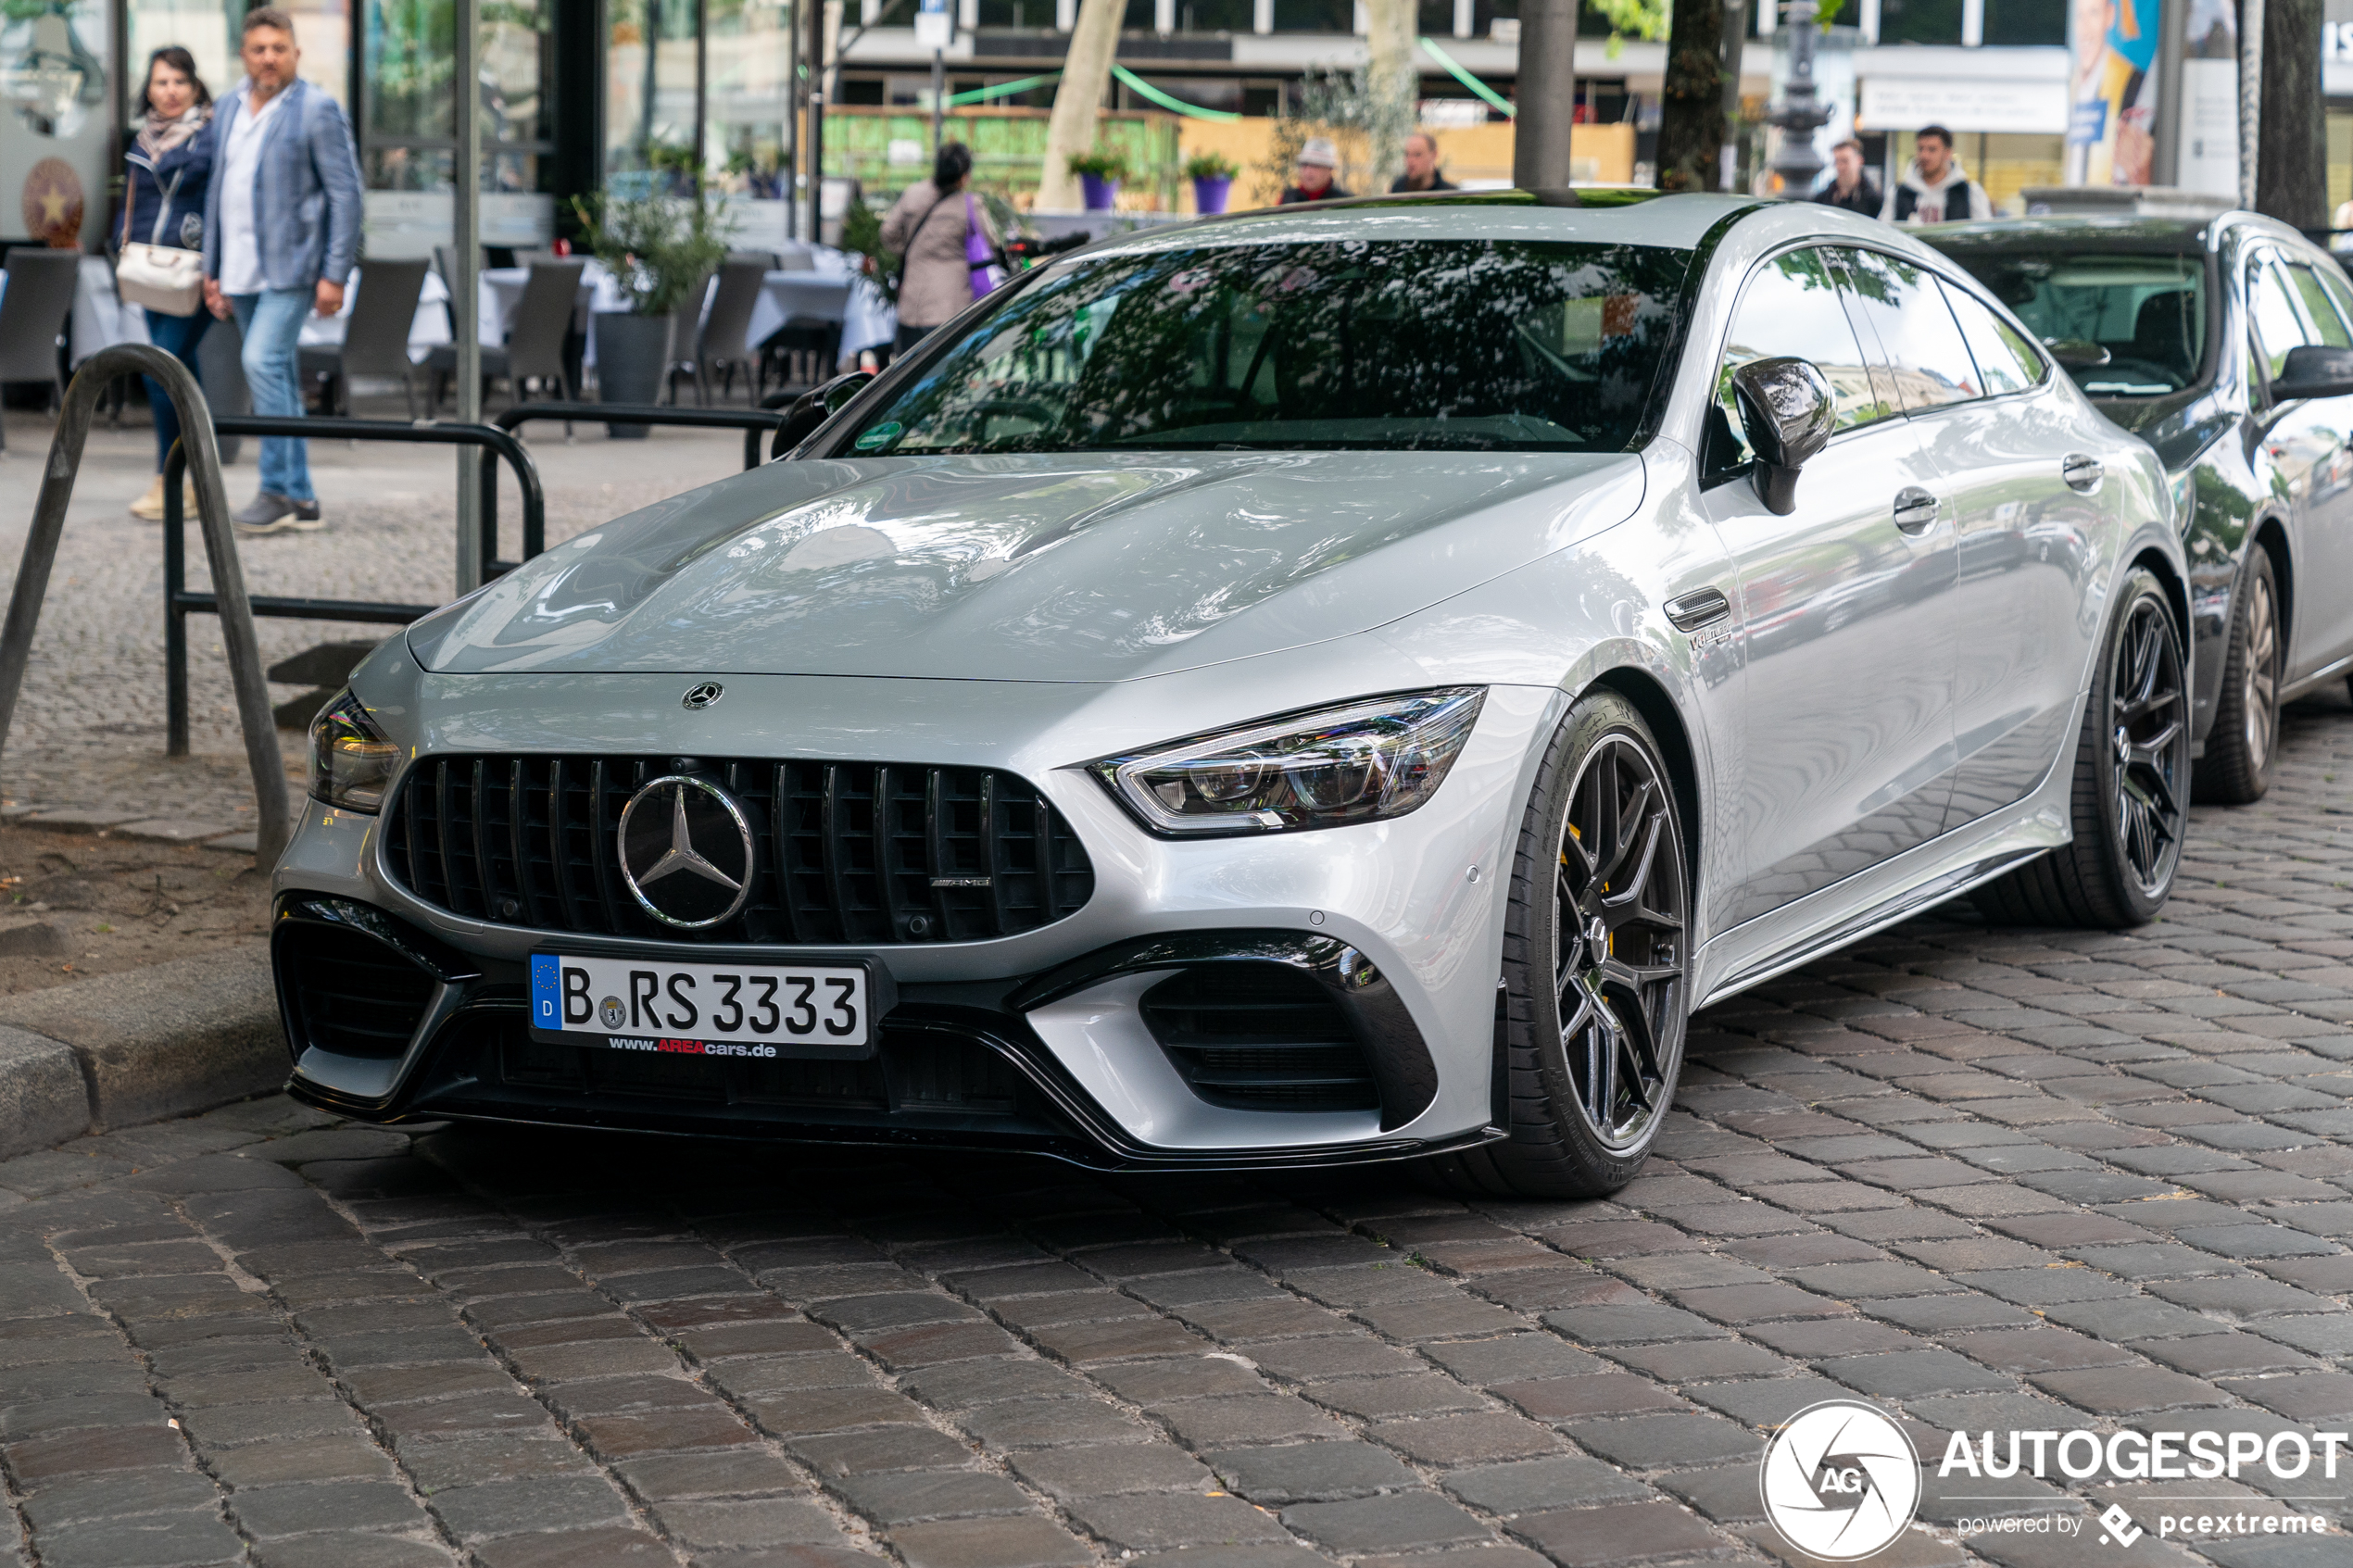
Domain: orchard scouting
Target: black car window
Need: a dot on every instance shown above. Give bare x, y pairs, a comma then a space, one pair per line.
1925, 354
2006, 362
2147, 310
1791, 308
2328, 323
1476, 345
2277, 325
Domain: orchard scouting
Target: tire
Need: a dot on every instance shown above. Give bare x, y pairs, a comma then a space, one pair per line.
2132, 773
1587, 1096
2239, 754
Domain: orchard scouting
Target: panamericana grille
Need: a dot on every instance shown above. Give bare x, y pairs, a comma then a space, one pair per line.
847, 852
1260, 1036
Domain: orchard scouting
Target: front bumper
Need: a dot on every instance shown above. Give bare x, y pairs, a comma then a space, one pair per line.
1046, 1041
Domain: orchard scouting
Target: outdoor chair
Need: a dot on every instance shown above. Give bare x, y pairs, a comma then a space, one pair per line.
686, 328
375, 339
536, 333
34, 311
806, 351
725, 345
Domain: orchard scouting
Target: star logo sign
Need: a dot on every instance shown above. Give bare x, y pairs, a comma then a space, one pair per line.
686, 852
1840, 1481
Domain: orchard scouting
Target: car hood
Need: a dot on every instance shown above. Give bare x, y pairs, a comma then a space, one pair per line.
1063, 568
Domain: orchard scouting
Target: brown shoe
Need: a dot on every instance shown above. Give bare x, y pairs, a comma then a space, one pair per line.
150, 506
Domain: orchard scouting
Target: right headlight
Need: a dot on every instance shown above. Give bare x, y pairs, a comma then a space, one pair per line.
352, 761
1359, 762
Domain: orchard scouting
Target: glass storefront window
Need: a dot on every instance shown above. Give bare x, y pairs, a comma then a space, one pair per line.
209, 31
408, 48
748, 95
2016, 22
650, 88
1919, 21
1315, 16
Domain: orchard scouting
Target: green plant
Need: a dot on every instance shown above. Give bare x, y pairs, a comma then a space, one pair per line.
1103, 163
861, 236
1210, 166
659, 248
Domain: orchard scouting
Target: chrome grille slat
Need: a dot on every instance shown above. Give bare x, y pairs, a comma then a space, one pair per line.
850, 850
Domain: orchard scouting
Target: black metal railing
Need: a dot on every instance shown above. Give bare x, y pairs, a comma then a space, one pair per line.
753, 423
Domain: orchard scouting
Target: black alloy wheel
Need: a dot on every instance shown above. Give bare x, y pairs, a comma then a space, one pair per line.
1596, 989
2130, 791
2238, 764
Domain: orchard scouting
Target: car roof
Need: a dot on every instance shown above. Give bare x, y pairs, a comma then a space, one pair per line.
2122, 231
1606, 215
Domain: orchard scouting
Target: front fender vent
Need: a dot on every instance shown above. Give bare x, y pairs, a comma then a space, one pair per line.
849, 853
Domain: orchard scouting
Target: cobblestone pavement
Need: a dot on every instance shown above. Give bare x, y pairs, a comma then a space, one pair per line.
90, 727
1989, 1179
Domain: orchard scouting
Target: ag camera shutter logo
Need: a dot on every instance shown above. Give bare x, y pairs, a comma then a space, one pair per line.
1840, 1480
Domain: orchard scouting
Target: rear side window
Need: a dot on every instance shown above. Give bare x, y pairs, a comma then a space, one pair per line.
2318, 308
2277, 328
2006, 362
1791, 308
1927, 358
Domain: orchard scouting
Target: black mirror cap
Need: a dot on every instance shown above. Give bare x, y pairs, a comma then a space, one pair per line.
2314, 371
1787, 415
814, 408
2078, 353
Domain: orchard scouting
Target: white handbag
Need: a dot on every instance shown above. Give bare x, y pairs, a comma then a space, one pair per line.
163, 278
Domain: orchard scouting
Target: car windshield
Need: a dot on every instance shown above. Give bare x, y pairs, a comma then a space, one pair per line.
2147, 310
1387, 344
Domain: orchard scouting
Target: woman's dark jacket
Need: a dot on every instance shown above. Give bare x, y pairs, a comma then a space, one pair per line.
190, 164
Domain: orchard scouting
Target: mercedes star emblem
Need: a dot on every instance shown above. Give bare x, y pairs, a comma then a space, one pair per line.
702, 697
686, 852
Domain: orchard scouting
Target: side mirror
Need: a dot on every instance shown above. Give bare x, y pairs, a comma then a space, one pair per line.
1786, 414
2078, 353
2314, 372
814, 408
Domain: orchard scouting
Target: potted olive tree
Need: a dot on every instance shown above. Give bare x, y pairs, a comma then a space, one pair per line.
661, 250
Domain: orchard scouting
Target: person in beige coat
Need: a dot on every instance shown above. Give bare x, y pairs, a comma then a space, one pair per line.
929, 226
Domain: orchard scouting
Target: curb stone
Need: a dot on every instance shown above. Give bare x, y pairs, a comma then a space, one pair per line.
171, 1039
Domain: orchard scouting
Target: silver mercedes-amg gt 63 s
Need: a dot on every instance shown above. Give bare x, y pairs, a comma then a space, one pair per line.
1328, 684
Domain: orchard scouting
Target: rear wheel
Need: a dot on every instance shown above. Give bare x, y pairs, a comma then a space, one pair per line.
2238, 764
2131, 769
1596, 948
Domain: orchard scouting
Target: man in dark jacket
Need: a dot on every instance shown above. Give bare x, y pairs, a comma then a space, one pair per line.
1421, 166
1850, 187
1311, 181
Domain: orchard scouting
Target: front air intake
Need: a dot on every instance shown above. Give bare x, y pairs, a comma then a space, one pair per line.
1260, 1036
847, 853
347, 992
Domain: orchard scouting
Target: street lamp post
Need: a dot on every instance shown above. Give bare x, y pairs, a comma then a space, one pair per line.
1796, 164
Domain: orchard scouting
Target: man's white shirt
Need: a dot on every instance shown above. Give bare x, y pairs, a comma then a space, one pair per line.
241, 172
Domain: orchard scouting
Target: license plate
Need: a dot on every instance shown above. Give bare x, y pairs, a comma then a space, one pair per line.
701, 1008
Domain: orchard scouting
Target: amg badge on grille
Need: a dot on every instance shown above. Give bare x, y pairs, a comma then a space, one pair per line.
686, 852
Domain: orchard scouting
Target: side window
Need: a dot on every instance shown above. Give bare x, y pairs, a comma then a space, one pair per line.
2277, 326
2318, 308
1930, 362
1791, 308
2005, 362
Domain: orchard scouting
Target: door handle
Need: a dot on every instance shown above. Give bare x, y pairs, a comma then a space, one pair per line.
1915, 510
2082, 472
1701, 607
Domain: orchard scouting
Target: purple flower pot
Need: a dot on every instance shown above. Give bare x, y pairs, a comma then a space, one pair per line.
1102, 194
1210, 192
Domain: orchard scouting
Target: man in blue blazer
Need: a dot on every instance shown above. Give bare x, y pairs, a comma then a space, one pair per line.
282, 229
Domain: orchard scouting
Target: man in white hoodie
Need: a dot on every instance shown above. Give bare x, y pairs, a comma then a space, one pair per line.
1936, 189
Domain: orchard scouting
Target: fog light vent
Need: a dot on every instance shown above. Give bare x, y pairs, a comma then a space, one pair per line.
352, 994
1260, 1036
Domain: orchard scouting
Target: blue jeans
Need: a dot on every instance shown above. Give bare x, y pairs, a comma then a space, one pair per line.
271, 321
178, 336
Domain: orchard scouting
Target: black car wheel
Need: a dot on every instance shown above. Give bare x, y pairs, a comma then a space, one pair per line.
1596, 948
2132, 773
2238, 764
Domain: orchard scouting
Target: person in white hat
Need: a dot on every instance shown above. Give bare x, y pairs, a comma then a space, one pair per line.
1311, 181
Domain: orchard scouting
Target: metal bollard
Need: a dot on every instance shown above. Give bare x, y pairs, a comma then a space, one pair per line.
274, 812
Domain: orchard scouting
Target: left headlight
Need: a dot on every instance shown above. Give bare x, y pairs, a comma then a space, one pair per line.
351, 760
1359, 762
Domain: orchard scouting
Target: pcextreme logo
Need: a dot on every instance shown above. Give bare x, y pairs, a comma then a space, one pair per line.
1840, 1480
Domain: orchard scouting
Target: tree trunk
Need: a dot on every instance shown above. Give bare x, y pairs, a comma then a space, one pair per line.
1078, 100
1546, 95
1393, 83
1691, 124
2292, 172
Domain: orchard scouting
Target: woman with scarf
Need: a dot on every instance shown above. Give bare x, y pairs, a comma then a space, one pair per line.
169, 165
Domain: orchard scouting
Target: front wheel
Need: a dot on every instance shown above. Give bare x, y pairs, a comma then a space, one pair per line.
1595, 953
2132, 767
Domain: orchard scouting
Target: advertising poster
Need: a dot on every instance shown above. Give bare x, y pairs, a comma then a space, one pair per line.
2111, 91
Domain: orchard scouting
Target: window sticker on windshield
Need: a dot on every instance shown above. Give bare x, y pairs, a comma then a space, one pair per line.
881, 435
